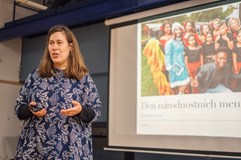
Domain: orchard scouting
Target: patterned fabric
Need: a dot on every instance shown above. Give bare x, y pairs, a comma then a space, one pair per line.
174, 59
55, 136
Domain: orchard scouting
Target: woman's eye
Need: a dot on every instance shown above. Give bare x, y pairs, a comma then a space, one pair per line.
58, 43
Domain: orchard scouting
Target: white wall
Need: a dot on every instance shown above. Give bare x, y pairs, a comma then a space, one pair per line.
10, 125
9, 76
10, 57
6, 12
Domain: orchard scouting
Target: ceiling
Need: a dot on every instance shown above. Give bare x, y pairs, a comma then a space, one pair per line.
76, 12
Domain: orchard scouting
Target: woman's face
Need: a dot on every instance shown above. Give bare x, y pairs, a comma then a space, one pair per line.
188, 27
167, 28
215, 25
192, 41
223, 29
234, 25
209, 38
178, 31
59, 50
205, 29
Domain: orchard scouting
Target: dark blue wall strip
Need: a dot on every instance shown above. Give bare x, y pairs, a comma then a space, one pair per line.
81, 13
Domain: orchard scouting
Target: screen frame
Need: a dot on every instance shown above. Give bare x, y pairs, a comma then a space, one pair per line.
124, 21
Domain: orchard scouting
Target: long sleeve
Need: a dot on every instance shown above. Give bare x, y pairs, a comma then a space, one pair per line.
91, 101
23, 112
21, 108
168, 54
87, 115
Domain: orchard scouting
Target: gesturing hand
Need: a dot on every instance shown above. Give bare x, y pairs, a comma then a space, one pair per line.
39, 113
72, 111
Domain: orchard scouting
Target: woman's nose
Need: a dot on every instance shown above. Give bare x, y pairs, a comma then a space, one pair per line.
54, 46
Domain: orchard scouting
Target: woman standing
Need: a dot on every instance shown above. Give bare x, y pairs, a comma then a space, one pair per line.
189, 29
205, 28
166, 33
193, 58
209, 48
174, 60
215, 27
58, 102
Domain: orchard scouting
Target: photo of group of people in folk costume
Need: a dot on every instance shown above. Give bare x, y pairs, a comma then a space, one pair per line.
192, 53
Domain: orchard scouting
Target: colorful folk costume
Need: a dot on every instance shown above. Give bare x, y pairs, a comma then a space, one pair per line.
155, 58
175, 64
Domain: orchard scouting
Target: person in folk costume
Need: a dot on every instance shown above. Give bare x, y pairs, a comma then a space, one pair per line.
193, 58
205, 28
165, 33
209, 48
174, 60
156, 61
189, 29
215, 27
225, 39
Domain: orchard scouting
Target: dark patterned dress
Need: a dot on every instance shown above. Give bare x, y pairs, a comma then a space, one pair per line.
208, 52
55, 136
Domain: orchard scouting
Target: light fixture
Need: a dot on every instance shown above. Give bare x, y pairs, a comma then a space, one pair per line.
32, 4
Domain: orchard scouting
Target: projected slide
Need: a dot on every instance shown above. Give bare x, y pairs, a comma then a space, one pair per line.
189, 73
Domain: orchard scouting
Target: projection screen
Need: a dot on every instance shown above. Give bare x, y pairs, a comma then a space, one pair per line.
145, 112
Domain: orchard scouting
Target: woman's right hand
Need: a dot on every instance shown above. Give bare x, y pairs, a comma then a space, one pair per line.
39, 113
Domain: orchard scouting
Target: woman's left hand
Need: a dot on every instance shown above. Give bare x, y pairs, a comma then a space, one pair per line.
72, 111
